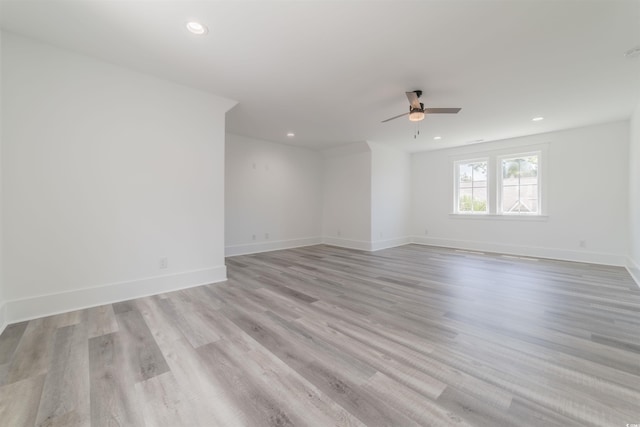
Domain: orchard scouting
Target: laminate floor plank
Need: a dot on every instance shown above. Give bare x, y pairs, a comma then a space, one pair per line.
4, 370
188, 320
65, 396
286, 291
368, 407
320, 335
560, 360
167, 403
289, 390
209, 401
547, 338
421, 410
536, 389
317, 363
256, 405
280, 304
266, 299
297, 393
161, 322
33, 353
9, 341
558, 375
19, 401
382, 362
212, 403
112, 395
102, 320
141, 351
474, 410
530, 413
297, 348
434, 368
124, 306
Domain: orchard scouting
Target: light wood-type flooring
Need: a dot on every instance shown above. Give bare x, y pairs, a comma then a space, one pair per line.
325, 336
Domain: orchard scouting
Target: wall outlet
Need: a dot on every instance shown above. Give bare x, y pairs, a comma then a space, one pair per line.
426, 231
583, 243
339, 233
254, 165
266, 236
164, 262
253, 236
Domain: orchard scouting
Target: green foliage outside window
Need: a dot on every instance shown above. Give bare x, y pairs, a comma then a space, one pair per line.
466, 204
520, 167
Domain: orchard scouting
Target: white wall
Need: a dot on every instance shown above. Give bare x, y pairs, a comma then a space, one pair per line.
273, 196
3, 319
390, 196
347, 196
633, 263
586, 193
105, 171
279, 191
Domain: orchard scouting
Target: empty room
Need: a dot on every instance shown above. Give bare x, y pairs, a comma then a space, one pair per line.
317, 213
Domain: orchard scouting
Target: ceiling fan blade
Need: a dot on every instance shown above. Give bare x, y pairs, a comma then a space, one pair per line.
442, 110
394, 117
413, 98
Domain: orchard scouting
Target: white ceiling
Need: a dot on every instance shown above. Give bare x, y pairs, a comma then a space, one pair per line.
330, 71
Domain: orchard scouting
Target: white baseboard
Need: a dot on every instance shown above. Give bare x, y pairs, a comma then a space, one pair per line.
537, 252
634, 270
45, 305
362, 245
389, 243
252, 248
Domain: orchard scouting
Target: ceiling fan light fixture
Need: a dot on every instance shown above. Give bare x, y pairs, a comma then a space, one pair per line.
416, 115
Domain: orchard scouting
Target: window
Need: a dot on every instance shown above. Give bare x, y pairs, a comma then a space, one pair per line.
519, 189
501, 183
471, 187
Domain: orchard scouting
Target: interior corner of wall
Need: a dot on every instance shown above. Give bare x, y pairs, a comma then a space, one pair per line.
634, 270
3, 316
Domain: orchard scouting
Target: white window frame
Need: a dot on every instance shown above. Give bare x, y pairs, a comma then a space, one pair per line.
500, 188
494, 182
456, 190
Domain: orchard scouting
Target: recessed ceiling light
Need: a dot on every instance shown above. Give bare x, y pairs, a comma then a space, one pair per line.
537, 119
291, 134
197, 28
437, 137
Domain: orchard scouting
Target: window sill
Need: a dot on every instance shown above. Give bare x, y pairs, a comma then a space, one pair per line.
494, 217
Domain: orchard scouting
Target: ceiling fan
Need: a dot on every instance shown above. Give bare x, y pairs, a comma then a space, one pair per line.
417, 110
